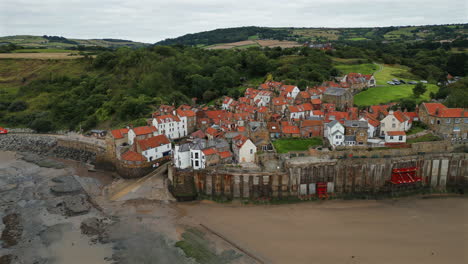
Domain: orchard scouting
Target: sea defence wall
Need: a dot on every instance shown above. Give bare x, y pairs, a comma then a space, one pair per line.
342, 176
66, 147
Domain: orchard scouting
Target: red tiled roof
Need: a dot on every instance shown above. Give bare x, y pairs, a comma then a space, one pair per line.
411, 115
133, 156
400, 116
308, 123
317, 113
316, 101
396, 133
153, 142
167, 118
373, 122
211, 131
225, 154
279, 101
291, 130
304, 94
144, 130
274, 127
440, 110
187, 113
241, 128
119, 133
209, 151
288, 88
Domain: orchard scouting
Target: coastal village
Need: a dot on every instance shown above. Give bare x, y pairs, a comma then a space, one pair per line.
238, 131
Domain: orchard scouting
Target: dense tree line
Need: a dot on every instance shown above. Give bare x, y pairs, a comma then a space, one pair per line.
124, 85
227, 35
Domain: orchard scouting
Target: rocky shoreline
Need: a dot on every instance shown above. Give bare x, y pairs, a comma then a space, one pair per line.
43, 145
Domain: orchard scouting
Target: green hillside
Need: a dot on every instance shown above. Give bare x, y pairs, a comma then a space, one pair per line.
388, 34
54, 42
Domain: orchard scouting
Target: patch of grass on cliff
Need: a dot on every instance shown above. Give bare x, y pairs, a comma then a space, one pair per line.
285, 145
425, 138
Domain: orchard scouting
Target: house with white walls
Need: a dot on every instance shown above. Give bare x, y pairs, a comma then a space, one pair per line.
244, 149
335, 133
142, 132
395, 137
394, 121
263, 98
154, 148
171, 126
289, 91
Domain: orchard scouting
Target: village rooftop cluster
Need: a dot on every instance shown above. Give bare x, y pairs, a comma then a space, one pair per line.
196, 137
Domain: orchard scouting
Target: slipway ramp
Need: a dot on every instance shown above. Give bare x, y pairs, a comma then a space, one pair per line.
153, 186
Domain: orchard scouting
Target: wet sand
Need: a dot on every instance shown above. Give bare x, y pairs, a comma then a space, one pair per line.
412, 230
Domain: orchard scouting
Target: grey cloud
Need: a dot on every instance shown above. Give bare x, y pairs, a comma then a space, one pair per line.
153, 20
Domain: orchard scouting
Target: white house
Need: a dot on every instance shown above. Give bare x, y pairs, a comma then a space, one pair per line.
142, 132
335, 133
263, 98
171, 126
290, 90
300, 111
394, 121
373, 126
244, 149
154, 148
227, 103
395, 137
182, 156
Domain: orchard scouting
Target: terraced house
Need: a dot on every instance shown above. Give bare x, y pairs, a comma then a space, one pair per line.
449, 123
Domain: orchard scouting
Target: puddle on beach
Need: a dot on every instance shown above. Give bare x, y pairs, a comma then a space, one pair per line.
74, 248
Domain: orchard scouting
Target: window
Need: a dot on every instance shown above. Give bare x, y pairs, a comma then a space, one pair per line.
456, 129
465, 120
457, 120
383, 124
391, 137
438, 122
393, 119
400, 138
393, 125
432, 121
196, 155
447, 121
196, 163
251, 151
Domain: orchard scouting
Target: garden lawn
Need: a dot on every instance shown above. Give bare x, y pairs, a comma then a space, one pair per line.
391, 93
385, 93
425, 138
366, 68
285, 145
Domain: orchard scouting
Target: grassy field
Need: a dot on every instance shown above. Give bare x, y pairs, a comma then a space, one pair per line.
252, 42
357, 39
40, 56
285, 145
425, 138
366, 68
385, 93
44, 51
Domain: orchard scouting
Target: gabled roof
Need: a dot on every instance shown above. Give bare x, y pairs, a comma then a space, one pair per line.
316, 101
187, 113
167, 118
144, 130
279, 101
356, 123
291, 130
333, 123
335, 91
225, 154
396, 133
153, 142
132, 156
119, 133
273, 127
288, 88
309, 123
209, 151
400, 116
440, 110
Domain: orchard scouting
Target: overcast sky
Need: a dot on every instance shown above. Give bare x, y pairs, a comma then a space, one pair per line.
154, 20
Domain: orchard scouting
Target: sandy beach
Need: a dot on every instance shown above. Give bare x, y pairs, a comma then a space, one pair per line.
410, 230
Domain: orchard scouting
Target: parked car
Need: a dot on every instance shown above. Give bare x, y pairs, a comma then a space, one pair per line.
402, 81
395, 80
412, 82
423, 81
3, 130
396, 83
391, 83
